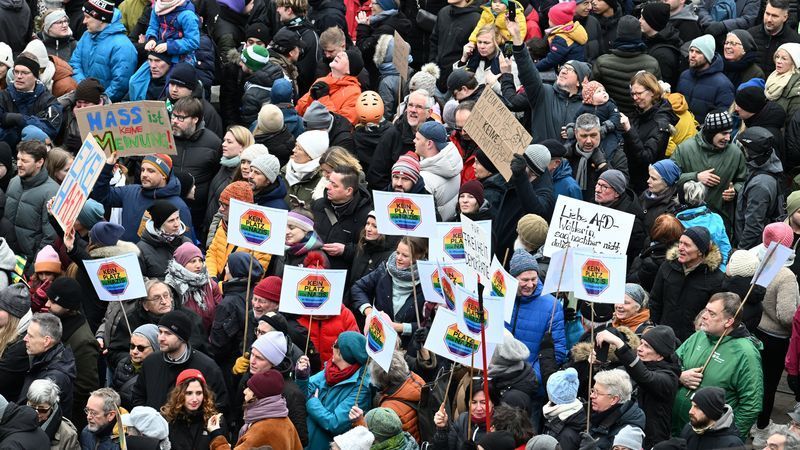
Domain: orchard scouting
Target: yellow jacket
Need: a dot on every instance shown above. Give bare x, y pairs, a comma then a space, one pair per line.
131, 10
686, 126
488, 17
217, 254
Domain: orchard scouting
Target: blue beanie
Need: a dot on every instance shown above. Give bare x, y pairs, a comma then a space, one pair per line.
753, 82
562, 386
34, 133
239, 263
387, 5
353, 347
91, 214
106, 233
281, 91
668, 170
522, 261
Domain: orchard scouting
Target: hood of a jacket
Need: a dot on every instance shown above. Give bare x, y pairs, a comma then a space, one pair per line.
12, 5
8, 260
24, 98
678, 102
664, 108
716, 66
684, 14
266, 75
447, 163
582, 350
574, 31
773, 165
536, 294
121, 248
712, 260
524, 380
17, 419
725, 421
278, 192
772, 115
706, 147
564, 170
668, 36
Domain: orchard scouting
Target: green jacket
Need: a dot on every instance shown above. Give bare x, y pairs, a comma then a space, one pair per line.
790, 97
735, 367
696, 155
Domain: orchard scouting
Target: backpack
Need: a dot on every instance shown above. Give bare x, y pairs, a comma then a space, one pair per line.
723, 10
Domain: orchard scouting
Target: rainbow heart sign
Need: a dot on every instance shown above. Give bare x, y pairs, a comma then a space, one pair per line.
375, 335
472, 315
459, 343
255, 227
498, 284
113, 277
404, 213
454, 243
595, 276
313, 291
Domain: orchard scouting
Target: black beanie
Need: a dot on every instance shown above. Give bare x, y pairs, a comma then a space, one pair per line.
356, 61
498, 440
629, 29
700, 237
662, 339
751, 99
89, 90
656, 14
160, 211
710, 400
485, 161
557, 149
178, 323
30, 63
259, 31
65, 292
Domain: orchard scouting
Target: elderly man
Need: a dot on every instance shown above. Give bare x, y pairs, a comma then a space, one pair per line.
612, 407
43, 398
711, 421
101, 414
588, 158
49, 358
440, 166
612, 192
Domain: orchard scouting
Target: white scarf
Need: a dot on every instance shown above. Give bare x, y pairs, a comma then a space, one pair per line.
551, 410
776, 83
296, 173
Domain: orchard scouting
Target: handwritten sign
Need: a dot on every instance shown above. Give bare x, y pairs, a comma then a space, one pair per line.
75, 189
400, 56
381, 339
497, 131
401, 214
577, 223
446, 340
116, 278
312, 291
257, 228
477, 247
129, 128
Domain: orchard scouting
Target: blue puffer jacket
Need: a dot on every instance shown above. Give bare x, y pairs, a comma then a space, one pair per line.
706, 90
134, 201
531, 320
701, 216
180, 29
108, 56
564, 184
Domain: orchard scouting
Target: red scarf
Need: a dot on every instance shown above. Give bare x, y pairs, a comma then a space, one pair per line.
334, 375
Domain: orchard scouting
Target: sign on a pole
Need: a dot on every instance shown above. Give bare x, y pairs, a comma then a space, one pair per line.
129, 128
576, 223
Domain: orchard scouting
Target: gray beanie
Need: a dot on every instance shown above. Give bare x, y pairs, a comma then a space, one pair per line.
15, 300
522, 261
629, 437
615, 179
268, 165
149, 331
704, 44
542, 442
537, 157
510, 351
636, 292
317, 117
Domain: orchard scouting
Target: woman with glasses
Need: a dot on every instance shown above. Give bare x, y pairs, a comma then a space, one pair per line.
43, 398
188, 276
57, 35
741, 57
143, 342
188, 408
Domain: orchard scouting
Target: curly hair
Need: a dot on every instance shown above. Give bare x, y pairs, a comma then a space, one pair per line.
175, 407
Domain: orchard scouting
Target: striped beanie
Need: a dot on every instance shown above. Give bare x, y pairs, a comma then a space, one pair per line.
255, 57
407, 166
300, 221
162, 163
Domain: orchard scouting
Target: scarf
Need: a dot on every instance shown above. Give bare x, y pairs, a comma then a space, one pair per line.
163, 7
492, 62
733, 69
633, 322
334, 375
650, 199
181, 359
312, 241
551, 410
166, 237
296, 172
189, 285
376, 19
400, 275
230, 163
776, 83
264, 408
582, 173
599, 417
396, 442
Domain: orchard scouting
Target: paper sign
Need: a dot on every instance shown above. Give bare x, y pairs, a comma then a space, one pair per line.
576, 223
558, 280
468, 316
257, 228
497, 131
116, 278
477, 247
504, 286
381, 340
400, 214
314, 291
590, 276
448, 243
78, 184
129, 128
768, 268
400, 56
447, 341
434, 287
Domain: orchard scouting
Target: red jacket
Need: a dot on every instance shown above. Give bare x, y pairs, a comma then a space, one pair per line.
324, 332
532, 20
352, 8
792, 361
341, 98
468, 172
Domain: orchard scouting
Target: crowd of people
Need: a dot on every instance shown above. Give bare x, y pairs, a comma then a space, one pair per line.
683, 114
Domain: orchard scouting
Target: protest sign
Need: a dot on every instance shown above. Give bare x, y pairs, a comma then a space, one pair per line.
504, 286
468, 315
590, 276
400, 55
381, 339
497, 131
434, 287
401, 214
772, 261
78, 184
477, 247
448, 243
312, 291
116, 278
577, 223
257, 228
129, 128
558, 280
447, 341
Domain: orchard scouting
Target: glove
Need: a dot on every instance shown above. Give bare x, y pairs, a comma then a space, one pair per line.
569, 314
13, 120
241, 365
716, 29
518, 166
73, 142
588, 442
319, 89
598, 158
547, 342
794, 383
570, 130
421, 335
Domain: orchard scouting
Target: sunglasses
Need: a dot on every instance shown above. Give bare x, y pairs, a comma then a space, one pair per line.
40, 409
141, 348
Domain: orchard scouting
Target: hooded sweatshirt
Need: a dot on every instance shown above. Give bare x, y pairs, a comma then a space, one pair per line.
442, 175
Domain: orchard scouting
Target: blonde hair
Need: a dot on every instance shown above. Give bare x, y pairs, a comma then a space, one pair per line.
8, 333
492, 28
57, 159
339, 156
242, 135
649, 81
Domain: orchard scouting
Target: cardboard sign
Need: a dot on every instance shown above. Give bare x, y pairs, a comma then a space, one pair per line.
439, 289
590, 276
257, 228
312, 291
381, 339
446, 340
400, 214
116, 278
129, 128
774, 258
497, 131
400, 56
477, 247
576, 223
78, 184
502, 285
468, 316
448, 243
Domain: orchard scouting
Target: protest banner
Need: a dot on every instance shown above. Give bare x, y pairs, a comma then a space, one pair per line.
381, 339
78, 184
477, 247
401, 214
497, 131
400, 55
447, 341
312, 291
434, 287
772, 261
576, 223
116, 278
468, 315
447, 245
129, 128
504, 286
591, 276
257, 228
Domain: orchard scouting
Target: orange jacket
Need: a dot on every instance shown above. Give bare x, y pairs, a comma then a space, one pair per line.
62, 79
341, 99
410, 392
279, 433
325, 331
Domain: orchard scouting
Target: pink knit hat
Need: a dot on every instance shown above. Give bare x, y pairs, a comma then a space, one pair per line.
186, 252
47, 260
779, 232
562, 13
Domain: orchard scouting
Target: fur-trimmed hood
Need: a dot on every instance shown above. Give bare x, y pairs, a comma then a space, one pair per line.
582, 350
382, 53
713, 259
121, 248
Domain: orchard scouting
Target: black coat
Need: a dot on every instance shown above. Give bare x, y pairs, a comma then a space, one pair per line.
221, 180
367, 38
327, 13
646, 141
766, 44
752, 309
225, 338
341, 133
312, 52
593, 47
347, 226
629, 204
722, 434
664, 203
188, 432
604, 427
521, 197
365, 142
396, 141
518, 388
280, 144
20, 430
453, 27
375, 289
567, 431
773, 118
155, 253
13, 366
370, 255
125, 376
256, 90
645, 267
198, 155
665, 47
57, 364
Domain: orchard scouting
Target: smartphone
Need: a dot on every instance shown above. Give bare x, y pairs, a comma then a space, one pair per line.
602, 352
512, 12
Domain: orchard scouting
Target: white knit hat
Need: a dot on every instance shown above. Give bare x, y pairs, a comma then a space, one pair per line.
273, 346
253, 152
358, 438
268, 165
6, 56
314, 142
742, 263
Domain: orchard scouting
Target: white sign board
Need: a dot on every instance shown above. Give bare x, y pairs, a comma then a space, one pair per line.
576, 223
116, 278
312, 291
477, 247
401, 214
257, 228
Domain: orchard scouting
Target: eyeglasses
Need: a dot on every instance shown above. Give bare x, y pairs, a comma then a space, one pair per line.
21, 73
62, 22
566, 69
40, 409
603, 187
638, 93
141, 348
160, 298
733, 44
594, 392
260, 333
418, 107
179, 117
93, 413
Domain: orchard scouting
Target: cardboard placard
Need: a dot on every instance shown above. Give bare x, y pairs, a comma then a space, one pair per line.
129, 128
78, 184
116, 278
401, 214
381, 339
497, 131
400, 56
576, 223
312, 291
257, 228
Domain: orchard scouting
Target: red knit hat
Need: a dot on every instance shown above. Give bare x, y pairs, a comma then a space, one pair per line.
240, 190
562, 13
473, 188
779, 232
190, 374
266, 384
269, 288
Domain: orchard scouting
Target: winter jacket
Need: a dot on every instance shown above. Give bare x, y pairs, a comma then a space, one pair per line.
646, 141
198, 155
58, 364
156, 252
365, 142
15, 15
442, 175
19, 429
327, 410
746, 14
608, 25
677, 297
615, 71
593, 47
773, 117
280, 144
685, 21
702, 216
324, 332
272, 432
61, 82
645, 267
566, 427
453, 27
780, 303
367, 36
790, 96
273, 196
737, 369
327, 13
629, 204
753, 309
61, 432
686, 126
221, 180
665, 48
375, 289
219, 251
13, 365
723, 434
370, 255
79, 338
566, 44
517, 388
107, 438
38, 108
135, 200
131, 11
655, 205
767, 44
696, 155
188, 432
227, 331
139, 86
342, 227
342, 98
791, 362
179, 29
519, 198
621, 415
499, 20
744, 69
396, 141
108, 56
563, 183
758, 205
26, 208
312, 52
403, 400
124, 378
707, 89
257, 89
616, 160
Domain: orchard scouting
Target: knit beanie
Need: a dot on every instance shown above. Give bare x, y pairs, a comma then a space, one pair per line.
65, 292
425, 79
780, 232
656, 14
253, 152
793, 49
522, 261
352, 346
184, 74
458, 79
106, 234
582, 69
407, 166
701, 238
704, 44
487, 163
300, 221
716, 122
258, 31
266, 384
282, 91
562, 386
269, 288
532, 231
6, 56
187, 252
177, 322
255, 57
148, 331
473, 188
562, 13
190, 374
793, 203
537, 158
629, 436
510, 352
317, 117
751, 99
434, 131
668, 170
147, 421
91, 214
267, 165
636, 293
748, 43
89, 90
358, 438
101, 10
47, 260
239, 263
30, 62
356, 62
186, 181
314, 143
239, 190
615, 179
588, 91
387, 5
276, 321
162, 163
662, 339
710, 400
542, 442
742, 263
270, 119
628, 29
383, 423
273, 346
160, 211
15, 300
498, 440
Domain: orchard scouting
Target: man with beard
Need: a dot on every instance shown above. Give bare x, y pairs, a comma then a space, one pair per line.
406, 175
269, 187
101, 415
704, 85
463, 142
772, 33
711, 421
